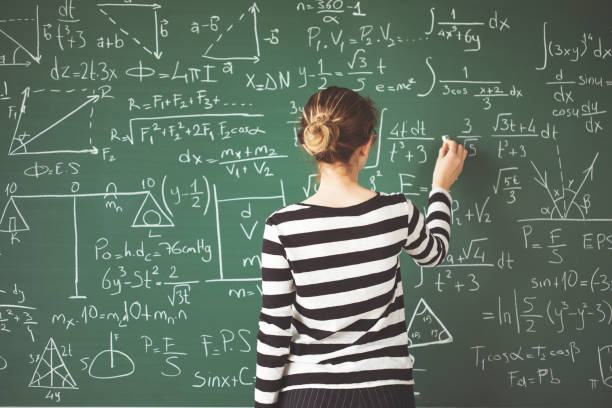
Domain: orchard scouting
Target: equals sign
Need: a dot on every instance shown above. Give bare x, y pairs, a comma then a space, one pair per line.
488, 315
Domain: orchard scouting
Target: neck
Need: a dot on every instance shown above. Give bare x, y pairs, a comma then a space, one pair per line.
337, 179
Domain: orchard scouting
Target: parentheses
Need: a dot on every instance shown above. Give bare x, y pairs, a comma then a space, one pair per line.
610, 310
550, 48
593, 278
163, 194
207, 195
548, 313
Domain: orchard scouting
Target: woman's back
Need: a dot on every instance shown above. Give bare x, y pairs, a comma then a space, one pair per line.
333, 310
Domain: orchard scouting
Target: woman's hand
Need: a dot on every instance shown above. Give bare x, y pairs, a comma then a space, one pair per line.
449, 164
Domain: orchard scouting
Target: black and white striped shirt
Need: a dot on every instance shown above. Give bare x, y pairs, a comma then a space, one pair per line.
332, 313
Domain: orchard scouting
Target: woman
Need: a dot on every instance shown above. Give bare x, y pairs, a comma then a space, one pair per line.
332, 329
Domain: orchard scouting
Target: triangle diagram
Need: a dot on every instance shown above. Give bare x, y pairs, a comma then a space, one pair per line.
20, 33
45, 125
425, 328
12, 54
11, 219
51, 371
135, 23
150, 214
238, 41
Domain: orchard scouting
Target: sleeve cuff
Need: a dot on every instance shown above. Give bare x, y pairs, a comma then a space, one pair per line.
442, 190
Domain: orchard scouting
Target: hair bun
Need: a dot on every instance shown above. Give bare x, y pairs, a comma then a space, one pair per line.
320, 133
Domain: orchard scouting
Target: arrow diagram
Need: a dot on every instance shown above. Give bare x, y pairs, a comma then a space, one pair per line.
22, 137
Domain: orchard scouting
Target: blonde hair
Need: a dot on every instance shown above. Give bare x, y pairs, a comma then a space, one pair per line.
335, 122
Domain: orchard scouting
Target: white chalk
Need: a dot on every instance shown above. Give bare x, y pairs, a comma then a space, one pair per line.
444, 138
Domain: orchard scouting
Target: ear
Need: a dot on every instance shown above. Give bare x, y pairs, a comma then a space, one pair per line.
364, 149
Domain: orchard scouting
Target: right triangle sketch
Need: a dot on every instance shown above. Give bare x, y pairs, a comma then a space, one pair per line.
242, 31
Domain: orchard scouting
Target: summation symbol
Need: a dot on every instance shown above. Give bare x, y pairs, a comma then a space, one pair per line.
425, 328
236, 32
51, 371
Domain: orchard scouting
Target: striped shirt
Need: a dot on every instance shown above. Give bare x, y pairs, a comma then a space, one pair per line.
332, 312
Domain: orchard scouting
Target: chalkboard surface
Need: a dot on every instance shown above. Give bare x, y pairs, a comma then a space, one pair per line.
146, 143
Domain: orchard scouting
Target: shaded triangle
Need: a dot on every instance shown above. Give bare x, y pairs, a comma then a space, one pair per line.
150, 214
11, 219
425, 328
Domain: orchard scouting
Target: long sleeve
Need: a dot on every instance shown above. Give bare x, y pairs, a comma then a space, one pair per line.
274, 335
429, 238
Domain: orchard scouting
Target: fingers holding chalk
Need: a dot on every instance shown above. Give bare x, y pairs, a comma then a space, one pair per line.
450, 143
444, 148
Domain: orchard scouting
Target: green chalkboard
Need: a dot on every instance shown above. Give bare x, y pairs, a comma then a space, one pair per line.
145, 143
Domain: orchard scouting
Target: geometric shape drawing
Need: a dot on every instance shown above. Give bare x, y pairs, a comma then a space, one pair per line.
11, 219
234, 35
558, 207
427, 329
53, 373
127, 18
150, 214
44, 119
22, 34
125, 366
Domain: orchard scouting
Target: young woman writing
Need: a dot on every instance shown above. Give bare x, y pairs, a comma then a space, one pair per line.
332, 329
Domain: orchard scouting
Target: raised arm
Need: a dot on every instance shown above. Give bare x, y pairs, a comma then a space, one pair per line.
274, 335
429, 238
